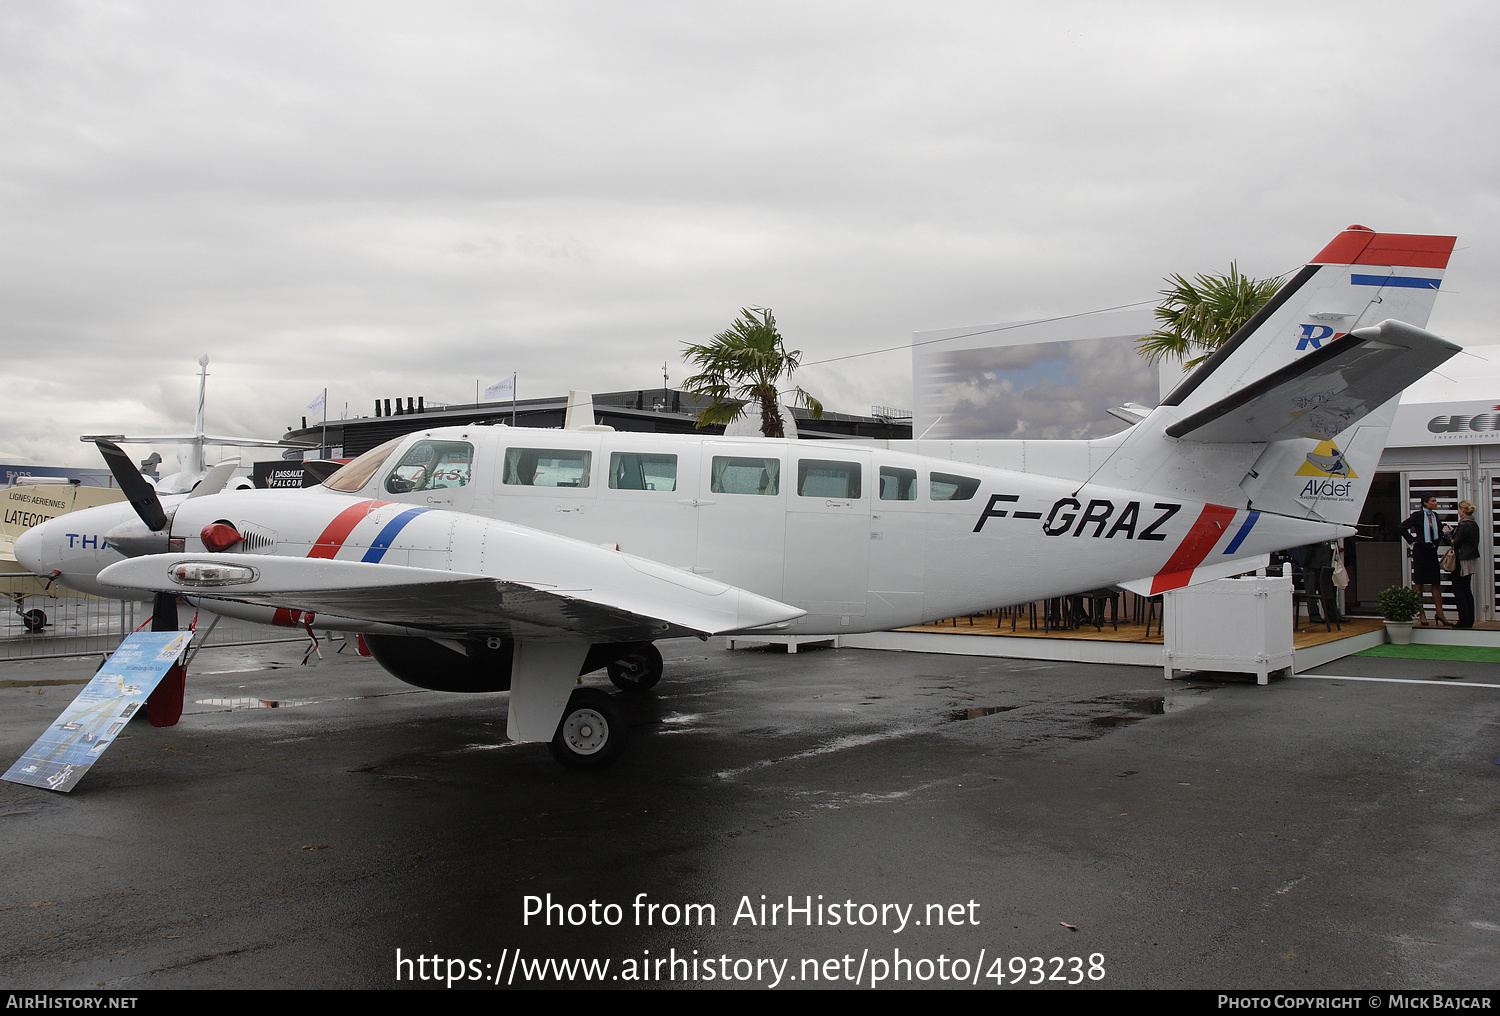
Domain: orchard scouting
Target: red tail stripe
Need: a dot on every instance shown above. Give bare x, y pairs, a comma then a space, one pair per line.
1397, 250
343, 524
1206, 532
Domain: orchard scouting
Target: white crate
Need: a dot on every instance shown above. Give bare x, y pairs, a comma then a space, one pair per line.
1243, 626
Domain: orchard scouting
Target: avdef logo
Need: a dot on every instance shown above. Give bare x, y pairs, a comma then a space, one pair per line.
1327, 460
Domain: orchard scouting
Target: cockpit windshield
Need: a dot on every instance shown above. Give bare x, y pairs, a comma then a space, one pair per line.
431, 465
354, 475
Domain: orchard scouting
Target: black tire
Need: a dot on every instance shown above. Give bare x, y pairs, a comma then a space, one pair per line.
591, 733
34, 620
637, 671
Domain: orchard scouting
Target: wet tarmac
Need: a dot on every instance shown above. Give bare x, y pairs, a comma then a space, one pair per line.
935, 820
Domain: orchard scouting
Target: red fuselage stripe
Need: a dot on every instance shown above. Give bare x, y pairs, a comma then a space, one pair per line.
343, 524
1206, 532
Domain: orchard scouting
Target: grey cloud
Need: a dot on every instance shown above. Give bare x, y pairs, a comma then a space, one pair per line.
395, 199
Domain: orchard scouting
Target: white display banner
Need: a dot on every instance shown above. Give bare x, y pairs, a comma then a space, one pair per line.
1419, 424
1056, 378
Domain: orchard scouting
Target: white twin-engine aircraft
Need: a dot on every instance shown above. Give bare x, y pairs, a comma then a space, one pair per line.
492, 558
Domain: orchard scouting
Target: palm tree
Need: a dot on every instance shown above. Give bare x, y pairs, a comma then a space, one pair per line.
1202, 314
742, 366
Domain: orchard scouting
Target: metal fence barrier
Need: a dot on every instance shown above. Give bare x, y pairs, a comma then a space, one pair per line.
40, 624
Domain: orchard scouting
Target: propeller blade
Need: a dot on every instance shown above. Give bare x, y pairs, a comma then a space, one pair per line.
215, 479
140, 494
164, 705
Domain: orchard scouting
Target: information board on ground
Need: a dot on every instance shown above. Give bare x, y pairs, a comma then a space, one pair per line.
76, 740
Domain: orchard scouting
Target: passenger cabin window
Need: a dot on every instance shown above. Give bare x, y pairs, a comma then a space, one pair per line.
947, 487
354, 475
745, 476
820, 478
547, 467
431, 465
898, 484
636, 471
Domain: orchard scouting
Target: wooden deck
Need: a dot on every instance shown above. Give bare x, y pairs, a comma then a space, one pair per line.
999, 624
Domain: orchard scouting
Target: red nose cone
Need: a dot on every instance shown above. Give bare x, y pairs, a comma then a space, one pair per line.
219, 537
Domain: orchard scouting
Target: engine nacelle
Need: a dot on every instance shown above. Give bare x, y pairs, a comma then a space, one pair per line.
484, 665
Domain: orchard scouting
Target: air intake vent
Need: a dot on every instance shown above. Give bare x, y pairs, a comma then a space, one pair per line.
257, 540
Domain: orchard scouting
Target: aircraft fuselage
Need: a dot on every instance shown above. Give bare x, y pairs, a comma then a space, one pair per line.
860, 537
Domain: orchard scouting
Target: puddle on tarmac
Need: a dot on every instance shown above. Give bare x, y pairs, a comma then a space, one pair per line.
1137, 709
978, 711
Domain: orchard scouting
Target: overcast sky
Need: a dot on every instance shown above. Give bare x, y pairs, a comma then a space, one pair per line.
397, 199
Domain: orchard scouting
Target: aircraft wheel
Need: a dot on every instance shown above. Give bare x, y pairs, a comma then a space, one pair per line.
592, 732
34, 620
638, 671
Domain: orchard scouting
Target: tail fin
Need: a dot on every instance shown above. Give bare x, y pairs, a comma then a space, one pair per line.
1290, 415
1359, 279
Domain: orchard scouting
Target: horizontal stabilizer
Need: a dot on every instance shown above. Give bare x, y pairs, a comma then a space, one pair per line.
655, 602
213, 439
1323, 393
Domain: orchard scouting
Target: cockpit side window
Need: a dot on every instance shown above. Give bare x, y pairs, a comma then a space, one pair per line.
354, 475
431, 465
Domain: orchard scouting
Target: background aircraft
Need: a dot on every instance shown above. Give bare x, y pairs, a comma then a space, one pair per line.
25, 505
485, 559
191, 448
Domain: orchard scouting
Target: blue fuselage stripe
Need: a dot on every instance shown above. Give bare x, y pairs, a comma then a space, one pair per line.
388, 535
1245, 528
1396, 281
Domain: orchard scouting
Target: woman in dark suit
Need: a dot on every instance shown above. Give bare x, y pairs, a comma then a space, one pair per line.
1423, 530
1466, 551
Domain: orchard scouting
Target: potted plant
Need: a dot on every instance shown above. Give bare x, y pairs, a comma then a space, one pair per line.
1399, 605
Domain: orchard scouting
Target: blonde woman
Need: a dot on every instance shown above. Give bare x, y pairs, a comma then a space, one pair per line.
1465, 542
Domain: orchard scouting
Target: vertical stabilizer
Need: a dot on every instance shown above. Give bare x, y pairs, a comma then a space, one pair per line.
1359, 279
1290, 415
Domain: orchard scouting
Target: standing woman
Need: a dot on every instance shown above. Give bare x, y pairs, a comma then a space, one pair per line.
1423, 530
1466, 551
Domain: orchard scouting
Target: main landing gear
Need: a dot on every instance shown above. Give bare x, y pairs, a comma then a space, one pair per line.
637, 671
591, 733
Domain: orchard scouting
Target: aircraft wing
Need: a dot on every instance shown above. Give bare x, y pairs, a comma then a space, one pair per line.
628, 599
1323, 392
164, 439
